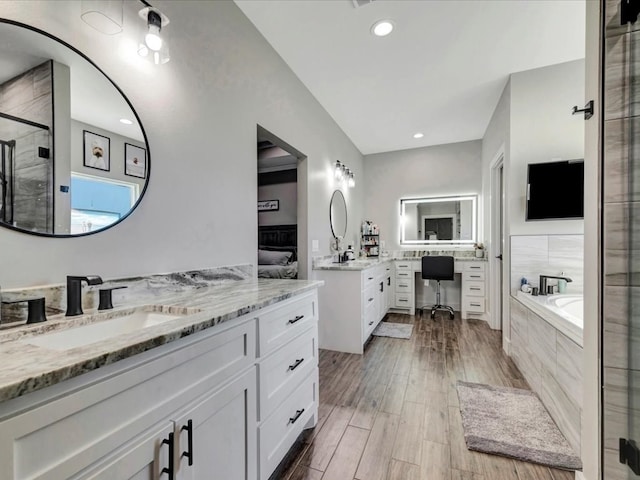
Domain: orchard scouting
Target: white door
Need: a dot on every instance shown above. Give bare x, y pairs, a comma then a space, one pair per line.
218, 436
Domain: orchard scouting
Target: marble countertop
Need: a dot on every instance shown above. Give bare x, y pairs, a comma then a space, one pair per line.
363, 264
25, 368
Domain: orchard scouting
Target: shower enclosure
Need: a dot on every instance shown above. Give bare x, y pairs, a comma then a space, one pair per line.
621, 241
26, 174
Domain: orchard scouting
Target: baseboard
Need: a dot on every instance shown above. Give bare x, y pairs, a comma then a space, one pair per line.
580, 476
506, 345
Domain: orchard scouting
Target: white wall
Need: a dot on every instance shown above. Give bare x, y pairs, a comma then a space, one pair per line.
543, 129
200, 113
287, 195
440, 170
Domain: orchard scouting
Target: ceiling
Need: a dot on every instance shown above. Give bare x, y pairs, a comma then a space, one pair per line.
440, 72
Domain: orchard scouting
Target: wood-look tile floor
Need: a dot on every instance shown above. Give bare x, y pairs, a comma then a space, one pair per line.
393, 414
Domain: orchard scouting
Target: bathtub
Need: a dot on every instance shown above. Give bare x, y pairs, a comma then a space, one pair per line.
563, 311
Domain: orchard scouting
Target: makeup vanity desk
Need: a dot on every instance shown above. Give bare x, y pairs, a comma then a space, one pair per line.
359, 293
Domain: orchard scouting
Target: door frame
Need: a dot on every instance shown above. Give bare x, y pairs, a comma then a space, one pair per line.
497, 209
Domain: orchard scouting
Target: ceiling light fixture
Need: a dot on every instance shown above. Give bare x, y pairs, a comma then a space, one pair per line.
153, 44
382, 28
126, 121
418, 135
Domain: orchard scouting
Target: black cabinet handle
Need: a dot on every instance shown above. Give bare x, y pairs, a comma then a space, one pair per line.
296, 364
170, 470
296, 416
189, 452
382, 286
370, 278
371, 299
389, 281
371, 322
294, 320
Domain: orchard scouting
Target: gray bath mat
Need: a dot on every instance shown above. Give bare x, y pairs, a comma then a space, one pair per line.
395, 330
513, 423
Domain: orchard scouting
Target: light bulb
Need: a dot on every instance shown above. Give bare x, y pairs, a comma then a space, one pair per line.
338, 170
352, 181
153, 38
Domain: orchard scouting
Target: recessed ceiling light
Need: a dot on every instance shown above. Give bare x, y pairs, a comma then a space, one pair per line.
126, 121
382, 28
418, 135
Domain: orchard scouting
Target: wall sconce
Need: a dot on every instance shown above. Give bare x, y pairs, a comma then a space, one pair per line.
153, 45
341, 172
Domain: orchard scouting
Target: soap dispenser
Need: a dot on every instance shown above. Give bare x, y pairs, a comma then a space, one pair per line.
562, 284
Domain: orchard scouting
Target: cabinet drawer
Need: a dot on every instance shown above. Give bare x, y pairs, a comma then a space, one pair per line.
404, 285
473, 266
403, 300
404, 266
406, 274
368, 278
284, 369
369, 318
280, 430
473, 304
290, 318
473, 289
473, 276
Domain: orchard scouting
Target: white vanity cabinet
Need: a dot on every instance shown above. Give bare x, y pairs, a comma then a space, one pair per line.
404, 286
353, 303
188, 408
473, 295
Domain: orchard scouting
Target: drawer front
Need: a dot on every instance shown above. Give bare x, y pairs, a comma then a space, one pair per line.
473, 289
473, 276
81, 428
368, 278
473, 304
404, 266
286, 321
474, 266
403, 300
404, 285
284, 369
280, 430
406, 274
369, 318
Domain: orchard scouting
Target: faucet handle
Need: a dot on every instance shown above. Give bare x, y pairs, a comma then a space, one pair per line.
35, 304
106, 299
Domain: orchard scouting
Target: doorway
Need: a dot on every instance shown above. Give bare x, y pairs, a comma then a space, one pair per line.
282, 232
497, 236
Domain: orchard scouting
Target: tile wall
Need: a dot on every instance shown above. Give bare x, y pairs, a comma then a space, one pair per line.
621, 235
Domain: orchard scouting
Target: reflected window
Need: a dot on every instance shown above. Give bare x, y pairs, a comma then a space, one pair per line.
99, 202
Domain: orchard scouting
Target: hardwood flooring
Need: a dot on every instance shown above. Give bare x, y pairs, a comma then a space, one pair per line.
392, 413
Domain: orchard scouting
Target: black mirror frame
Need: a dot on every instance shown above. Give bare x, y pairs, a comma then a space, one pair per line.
346, 213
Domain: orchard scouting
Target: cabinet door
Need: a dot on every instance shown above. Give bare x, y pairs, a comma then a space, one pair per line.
141, 459
223, 434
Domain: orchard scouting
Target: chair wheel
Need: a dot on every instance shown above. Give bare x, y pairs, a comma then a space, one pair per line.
433, 316
451, 316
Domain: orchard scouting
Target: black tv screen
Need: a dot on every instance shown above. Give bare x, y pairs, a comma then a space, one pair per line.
555, 190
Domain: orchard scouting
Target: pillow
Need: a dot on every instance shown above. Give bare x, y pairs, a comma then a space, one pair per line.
289, 248
266, 257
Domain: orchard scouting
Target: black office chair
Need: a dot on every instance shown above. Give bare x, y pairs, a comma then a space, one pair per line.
437, 268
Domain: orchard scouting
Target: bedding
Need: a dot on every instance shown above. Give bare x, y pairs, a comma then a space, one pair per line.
267, 257
278, 271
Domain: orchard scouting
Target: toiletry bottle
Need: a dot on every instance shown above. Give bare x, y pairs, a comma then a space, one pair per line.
562, 284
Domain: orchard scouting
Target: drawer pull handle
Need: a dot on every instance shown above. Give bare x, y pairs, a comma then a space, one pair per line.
402, 300
189, 452
169, 471
388, 280
474, 267
403, 266
474, 276
296, 364
370, 278
371, 322
296, 416
294, 320
382, 286
371, 299
474, 288
475, 304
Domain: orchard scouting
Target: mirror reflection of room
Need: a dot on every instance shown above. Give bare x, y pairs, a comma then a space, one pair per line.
73, 169
429, 220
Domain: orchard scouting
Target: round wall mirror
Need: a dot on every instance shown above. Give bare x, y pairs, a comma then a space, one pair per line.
74, 158
338, 214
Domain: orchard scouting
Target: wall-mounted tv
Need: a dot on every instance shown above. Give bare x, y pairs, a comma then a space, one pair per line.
555, 190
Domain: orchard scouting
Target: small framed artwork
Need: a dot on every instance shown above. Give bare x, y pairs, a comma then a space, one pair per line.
97, 151
135, 161
268, 205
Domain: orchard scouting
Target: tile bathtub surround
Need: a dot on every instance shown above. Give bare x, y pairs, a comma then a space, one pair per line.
142, 288
533, 255
552, 365
25, 368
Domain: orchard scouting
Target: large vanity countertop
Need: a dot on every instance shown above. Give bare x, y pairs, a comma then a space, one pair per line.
363, 264
26, 368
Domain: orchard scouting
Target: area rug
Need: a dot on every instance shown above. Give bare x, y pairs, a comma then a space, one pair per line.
513, 423
395, 330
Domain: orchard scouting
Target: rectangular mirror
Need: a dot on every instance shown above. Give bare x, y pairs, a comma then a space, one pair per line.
438, 220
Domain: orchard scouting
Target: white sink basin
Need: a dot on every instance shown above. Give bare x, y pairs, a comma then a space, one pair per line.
100, 330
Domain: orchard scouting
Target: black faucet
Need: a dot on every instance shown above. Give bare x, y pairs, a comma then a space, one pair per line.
74, 292
543, 282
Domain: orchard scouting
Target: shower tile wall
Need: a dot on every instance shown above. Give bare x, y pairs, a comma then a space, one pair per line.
533, 255
29, 96
621, 233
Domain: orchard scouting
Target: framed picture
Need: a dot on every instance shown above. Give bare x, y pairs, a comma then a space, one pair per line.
268, 205
135, 161
97, 151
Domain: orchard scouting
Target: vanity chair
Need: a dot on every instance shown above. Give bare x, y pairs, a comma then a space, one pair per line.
437, 268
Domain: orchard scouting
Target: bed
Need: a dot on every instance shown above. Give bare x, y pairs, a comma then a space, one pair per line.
278, 251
